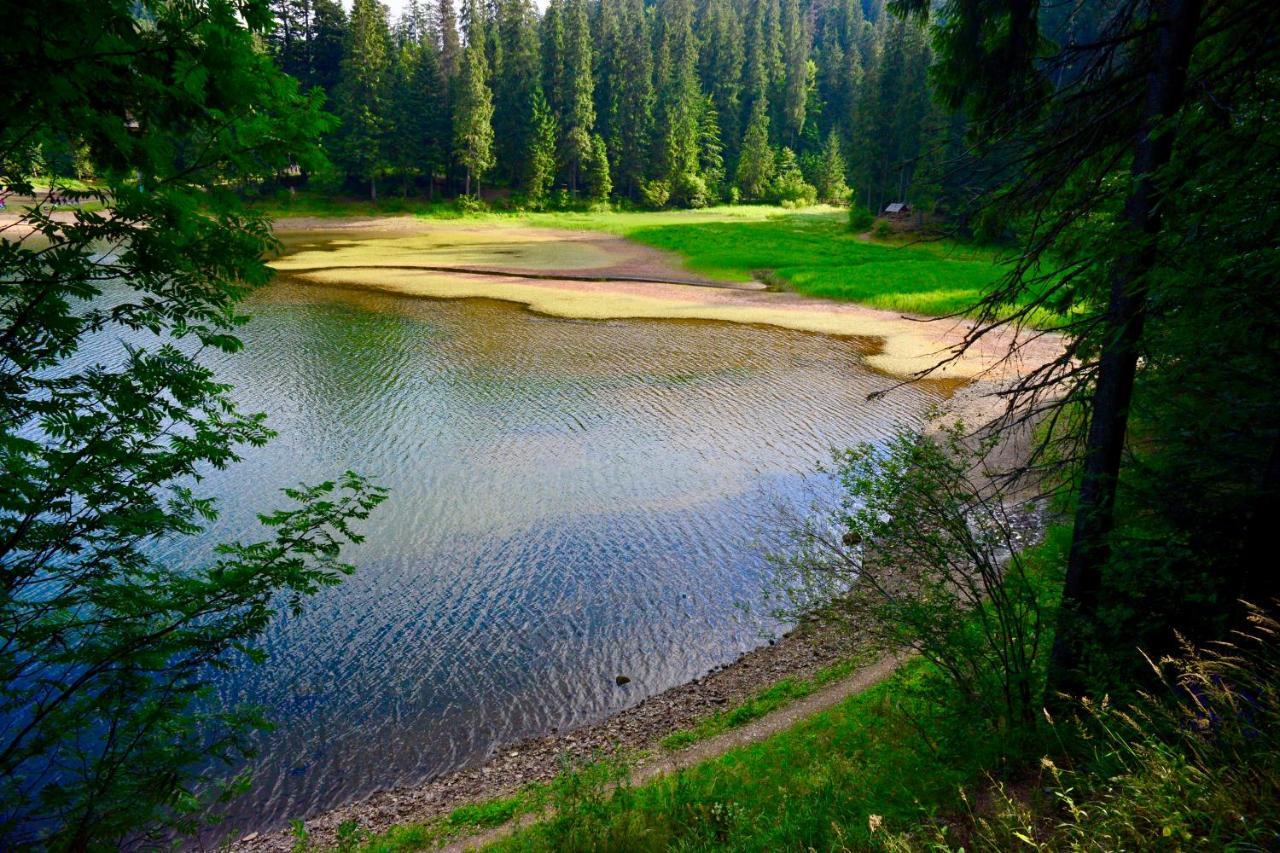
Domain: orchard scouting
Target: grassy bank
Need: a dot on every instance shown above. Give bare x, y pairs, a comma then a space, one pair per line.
810, 251
888, 759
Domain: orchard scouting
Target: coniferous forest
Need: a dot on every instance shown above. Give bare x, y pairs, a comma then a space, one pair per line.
680, 103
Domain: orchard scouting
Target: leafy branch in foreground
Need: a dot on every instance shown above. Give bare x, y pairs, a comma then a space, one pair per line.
109, 419
921, 554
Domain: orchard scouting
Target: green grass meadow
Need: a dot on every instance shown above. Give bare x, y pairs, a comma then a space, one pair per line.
810, 251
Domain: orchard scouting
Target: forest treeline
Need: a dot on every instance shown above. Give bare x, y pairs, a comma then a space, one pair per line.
680, 102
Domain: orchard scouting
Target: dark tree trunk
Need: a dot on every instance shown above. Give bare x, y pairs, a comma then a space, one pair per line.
1117, 365
373, 190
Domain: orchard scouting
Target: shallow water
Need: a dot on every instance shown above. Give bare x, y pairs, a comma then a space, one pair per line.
569, 501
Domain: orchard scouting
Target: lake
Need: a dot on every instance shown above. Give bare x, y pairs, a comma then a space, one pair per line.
570, 501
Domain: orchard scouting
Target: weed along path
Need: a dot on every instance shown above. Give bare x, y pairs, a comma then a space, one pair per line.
673, 761
595, 275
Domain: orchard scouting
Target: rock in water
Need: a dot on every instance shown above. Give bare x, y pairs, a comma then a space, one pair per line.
621, 680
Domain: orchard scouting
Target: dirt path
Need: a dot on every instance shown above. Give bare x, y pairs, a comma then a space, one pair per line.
753, 732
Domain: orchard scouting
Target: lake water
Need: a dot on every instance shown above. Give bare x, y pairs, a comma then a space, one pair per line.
569, 501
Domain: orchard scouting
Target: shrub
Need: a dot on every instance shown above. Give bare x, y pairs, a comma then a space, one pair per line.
789, 188
917, 555
469, 204
860, 219
690, 190
882, 230
655, 194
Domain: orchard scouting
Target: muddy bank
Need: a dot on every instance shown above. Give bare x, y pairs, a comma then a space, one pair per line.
799, 653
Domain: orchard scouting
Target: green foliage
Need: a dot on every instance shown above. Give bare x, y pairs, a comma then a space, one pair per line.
541, 160
755, 163
1192, 765
599, 184
860, 219
789, 188
830, 178
655, 194
473, 110
361, 96
917, 555
106, 650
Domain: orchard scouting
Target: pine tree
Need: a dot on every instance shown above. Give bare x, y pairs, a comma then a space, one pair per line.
579, 116
795, 83
720, 68
405, 108
634, 125
326, 46
711, 150
830, 179
433, 122
599, 184
553, 58
473, 110
450, 49
679, 103
755, 163
362, 92
540, 159
515, 80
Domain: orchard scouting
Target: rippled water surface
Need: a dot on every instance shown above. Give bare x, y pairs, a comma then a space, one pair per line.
569, 501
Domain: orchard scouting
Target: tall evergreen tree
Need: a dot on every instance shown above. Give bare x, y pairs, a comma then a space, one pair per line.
830, 180
579, 110
598, 181
361, 98
473, 107
515, 82
634, 125
720, 68
450, 47
540, 165
795, 81
711, 150
755, 163
679, 103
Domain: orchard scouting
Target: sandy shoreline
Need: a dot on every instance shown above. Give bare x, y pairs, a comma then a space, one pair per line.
605, 277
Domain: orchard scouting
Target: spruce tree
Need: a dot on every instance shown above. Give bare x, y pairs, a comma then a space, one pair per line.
450, 49
579, 115
473, 110
361, 100
720, 68
755, 163
515, 80
679, 103
540, 158
634, 125
599, 184
711, 150
795, 83
830, 179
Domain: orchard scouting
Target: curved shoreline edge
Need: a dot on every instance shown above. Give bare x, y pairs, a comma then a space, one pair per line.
587, 275
800, 653
898, 345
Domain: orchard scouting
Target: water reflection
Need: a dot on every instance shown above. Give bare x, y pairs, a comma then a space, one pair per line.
569, 501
